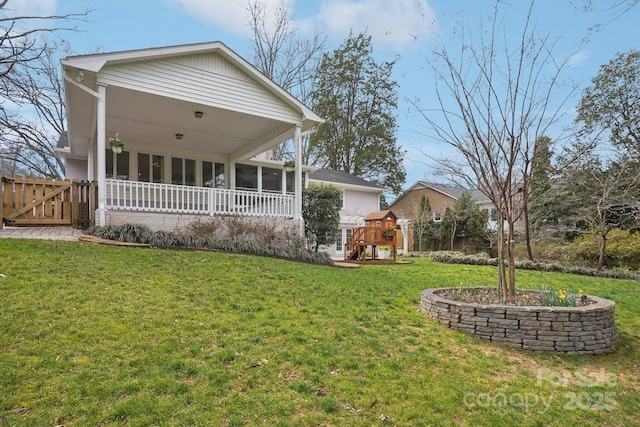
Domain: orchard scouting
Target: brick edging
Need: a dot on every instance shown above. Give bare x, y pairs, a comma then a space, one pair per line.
589, 329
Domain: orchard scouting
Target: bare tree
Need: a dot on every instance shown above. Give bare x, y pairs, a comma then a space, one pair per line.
422, 218
281, 54
611, 10
502, 87
598, 196
32, 106
36, 121
20, 42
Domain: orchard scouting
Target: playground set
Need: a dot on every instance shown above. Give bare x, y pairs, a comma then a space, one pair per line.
380, 230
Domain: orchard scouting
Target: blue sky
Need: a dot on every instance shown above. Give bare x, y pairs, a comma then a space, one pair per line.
406, 29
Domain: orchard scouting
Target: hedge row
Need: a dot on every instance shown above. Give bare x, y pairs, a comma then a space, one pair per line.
459, 258
141, 234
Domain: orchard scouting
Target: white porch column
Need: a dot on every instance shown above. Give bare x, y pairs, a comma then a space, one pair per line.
297, 137
232, 175
232, 184
101, 165
91, 159
259, 178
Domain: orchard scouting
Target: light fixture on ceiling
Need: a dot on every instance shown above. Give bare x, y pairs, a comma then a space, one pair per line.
198, 114
179, 136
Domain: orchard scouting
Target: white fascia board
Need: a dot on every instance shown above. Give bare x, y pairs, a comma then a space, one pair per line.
96, 62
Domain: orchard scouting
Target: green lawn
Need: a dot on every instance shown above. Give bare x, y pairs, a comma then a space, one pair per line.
98, 335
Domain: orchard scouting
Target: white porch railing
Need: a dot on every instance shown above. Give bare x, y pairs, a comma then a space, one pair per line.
152, 197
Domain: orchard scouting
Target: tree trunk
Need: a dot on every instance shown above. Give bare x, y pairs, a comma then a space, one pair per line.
453, 236
602, 246
527, 231
512, 264
502, 283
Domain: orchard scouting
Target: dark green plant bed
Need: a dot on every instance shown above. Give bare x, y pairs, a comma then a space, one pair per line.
163, 239
459, 258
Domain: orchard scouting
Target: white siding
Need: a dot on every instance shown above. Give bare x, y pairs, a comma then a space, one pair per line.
360, 203
75, 169
204, 79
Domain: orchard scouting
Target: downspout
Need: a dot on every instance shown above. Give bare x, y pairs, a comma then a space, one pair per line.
102, 173
100, 95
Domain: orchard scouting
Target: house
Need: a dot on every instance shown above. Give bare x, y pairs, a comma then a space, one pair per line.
440, 197
193, 119
359, 199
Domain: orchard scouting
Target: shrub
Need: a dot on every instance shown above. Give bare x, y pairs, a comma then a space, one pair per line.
141, 234
208, 227
237, 227
622, 250
555, 251
459, 258
266, 231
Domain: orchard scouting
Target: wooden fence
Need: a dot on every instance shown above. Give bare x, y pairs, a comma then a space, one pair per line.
40, 202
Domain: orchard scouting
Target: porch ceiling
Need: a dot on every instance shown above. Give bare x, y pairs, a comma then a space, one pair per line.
155, 119
145, 118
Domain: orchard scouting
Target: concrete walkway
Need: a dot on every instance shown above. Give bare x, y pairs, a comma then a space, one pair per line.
48, 233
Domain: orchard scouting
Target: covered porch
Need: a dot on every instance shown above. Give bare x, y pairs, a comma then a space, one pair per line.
182, 199
197, 123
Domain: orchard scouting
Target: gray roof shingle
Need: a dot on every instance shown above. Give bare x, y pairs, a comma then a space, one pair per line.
341, 178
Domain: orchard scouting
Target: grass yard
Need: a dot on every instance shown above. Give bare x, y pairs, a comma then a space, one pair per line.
104, 336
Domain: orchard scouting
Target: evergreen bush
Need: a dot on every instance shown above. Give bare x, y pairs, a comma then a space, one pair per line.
140, 234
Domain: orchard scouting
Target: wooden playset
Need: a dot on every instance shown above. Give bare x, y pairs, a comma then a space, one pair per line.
379, 231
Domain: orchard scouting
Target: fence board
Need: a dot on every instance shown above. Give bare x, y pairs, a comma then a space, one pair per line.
29, 201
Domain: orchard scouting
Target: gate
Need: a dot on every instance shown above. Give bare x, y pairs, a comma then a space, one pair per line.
42, 202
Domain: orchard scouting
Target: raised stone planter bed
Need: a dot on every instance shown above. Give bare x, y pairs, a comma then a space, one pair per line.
590, 329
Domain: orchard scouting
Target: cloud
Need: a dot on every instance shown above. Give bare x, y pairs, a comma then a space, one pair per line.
578, 59
31, 7
230, 15
391, 23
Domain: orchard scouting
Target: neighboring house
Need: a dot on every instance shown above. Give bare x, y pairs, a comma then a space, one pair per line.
359, 199
440, 197
193, 118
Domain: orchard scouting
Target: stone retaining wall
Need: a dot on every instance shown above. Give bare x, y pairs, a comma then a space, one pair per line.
573, 330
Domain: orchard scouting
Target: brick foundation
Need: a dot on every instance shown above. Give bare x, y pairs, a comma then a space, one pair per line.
573, 330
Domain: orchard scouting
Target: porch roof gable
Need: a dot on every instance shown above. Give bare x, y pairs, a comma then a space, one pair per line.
152, 95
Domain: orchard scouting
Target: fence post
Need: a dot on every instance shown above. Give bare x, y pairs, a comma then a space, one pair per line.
2, 203
75, 205
93, 201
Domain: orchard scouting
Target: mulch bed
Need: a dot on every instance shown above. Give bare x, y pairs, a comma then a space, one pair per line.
490, 296
377, 261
